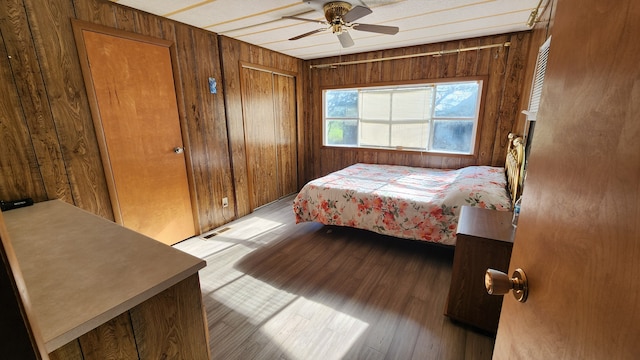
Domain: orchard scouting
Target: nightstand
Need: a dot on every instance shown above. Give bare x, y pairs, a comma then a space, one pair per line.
484, 240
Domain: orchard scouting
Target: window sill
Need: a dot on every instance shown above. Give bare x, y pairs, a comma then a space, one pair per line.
399, 151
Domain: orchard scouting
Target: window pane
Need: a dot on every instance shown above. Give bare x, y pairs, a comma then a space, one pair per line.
456, 100
410, 135
374, 134
440, 117
452, 136
376, 105
341, 103
342, 132
414, 104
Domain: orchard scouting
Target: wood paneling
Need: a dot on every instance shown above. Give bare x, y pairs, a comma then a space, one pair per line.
284, 105
22, 58
70, 351
49, 147
269, 112
504, 68
234, 52
180, 332
170, 325
53, 152
204, 115
18, 165
58, 62
260, 136
112, 340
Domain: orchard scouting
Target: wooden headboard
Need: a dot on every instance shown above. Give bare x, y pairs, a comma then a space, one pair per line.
514, 166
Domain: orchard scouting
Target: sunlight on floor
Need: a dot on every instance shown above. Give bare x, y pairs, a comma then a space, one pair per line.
252, 298
247, 232
248, 229
300, 327
309, 330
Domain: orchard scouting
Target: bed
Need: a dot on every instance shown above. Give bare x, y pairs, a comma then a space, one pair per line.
410, 202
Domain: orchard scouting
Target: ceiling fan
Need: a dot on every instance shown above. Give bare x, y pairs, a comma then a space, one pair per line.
340, 17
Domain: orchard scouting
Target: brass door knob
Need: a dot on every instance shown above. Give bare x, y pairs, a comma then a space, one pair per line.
499, 283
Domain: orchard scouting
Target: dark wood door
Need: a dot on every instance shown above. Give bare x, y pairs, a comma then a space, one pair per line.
269, 110
260, 136
578, 237
139, 129
284, 100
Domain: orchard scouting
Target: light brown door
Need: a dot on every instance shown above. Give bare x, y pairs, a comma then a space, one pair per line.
139, 128
578, 238
269, 110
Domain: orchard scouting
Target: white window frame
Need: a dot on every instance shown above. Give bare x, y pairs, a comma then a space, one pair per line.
476, 120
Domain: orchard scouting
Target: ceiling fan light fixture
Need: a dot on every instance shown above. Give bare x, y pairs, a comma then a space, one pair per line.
340, 17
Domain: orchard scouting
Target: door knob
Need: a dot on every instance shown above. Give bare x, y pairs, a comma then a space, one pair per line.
178, 150
499, 283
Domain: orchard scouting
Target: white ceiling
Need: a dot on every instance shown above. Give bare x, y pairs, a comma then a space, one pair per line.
260, 22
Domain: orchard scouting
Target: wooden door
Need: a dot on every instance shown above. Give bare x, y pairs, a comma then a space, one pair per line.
284, 100
578, 238
269, 110
260, 136
138, 127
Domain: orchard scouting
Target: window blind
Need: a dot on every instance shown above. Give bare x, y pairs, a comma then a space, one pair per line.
538, 80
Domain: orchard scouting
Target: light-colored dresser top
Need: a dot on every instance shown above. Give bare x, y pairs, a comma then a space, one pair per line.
81, 270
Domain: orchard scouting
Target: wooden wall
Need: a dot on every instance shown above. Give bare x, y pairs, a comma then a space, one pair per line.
233, 53
505, 68
48, 145
49, 148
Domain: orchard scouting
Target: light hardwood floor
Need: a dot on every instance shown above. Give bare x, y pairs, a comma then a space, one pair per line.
274, 289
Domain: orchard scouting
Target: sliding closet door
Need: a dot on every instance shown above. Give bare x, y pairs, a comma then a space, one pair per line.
136, 115
269, 109
284, 97
260, 137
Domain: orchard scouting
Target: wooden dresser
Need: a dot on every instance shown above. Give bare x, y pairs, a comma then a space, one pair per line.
101, 291
484, 240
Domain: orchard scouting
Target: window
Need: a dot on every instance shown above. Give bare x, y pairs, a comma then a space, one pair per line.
438, 117
538, 81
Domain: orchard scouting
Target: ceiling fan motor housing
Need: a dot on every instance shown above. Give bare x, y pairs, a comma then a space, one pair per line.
335, 10
340, 17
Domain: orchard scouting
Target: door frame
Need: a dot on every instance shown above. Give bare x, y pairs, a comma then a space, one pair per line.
78, 27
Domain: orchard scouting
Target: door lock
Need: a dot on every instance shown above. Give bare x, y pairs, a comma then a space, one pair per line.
499, 283
178, 150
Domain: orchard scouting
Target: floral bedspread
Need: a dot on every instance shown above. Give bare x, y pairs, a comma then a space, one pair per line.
401, 201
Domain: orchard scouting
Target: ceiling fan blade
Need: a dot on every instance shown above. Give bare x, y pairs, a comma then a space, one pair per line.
381, 29
356, 13
307, 34
303, 19
345, 39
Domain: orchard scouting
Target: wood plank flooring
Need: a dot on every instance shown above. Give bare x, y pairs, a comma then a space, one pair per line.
274, 289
